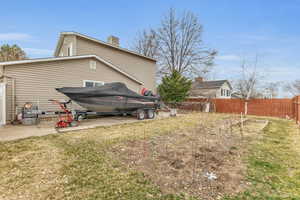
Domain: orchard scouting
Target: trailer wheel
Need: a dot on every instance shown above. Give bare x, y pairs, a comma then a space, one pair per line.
80, 117
140, 114
150, 114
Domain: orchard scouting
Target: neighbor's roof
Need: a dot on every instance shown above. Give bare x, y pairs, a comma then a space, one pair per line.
203, 93
209, 84
62, 34
72, 58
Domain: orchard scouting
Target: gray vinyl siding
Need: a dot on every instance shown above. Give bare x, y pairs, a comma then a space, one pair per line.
141, 68
36, 82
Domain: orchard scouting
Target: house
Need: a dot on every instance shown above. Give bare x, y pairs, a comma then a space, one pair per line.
79, 60
210, 89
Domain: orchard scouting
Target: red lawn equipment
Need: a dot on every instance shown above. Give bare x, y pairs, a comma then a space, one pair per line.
67, 119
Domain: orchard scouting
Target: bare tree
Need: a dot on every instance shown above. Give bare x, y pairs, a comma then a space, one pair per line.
271, 89
179, 45
293, 87
247, 86
147, 43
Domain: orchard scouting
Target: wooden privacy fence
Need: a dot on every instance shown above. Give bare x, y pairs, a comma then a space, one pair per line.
296, 108
261, 107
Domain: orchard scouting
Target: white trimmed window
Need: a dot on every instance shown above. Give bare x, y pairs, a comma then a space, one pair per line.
228, 93
89, 83
70, 50
93, 65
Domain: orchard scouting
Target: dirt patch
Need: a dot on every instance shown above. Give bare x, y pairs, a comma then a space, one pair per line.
206, 162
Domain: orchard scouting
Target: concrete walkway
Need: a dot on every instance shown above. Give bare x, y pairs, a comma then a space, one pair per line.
14, 132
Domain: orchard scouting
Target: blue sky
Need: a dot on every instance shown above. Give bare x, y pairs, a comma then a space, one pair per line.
269, 28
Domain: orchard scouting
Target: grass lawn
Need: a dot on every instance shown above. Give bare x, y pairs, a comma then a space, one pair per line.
274, 164
81, 165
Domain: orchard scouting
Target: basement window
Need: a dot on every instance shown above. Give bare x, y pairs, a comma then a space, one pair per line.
89, 83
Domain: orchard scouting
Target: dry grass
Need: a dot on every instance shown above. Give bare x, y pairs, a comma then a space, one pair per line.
178, 162
273, 163
30, 170
54, 167
96, 163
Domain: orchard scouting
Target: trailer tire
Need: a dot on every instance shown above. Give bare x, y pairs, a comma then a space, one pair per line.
150, 114
140, 114
80, 117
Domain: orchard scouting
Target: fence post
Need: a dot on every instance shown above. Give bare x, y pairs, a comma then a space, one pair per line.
297, 109
246, 107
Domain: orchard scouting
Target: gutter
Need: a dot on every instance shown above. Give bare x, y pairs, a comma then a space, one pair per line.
116, 68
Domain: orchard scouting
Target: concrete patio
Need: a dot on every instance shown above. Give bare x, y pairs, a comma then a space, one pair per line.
14, 132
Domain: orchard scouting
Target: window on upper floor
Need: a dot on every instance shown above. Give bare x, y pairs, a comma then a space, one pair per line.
93, 65
223, 92
228, 93
70, 50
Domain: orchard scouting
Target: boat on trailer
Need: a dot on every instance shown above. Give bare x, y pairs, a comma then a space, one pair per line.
112, 98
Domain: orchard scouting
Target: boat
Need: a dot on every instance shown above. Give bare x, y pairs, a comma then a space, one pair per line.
111, 97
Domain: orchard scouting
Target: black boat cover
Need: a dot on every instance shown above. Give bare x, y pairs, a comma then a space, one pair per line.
108, 89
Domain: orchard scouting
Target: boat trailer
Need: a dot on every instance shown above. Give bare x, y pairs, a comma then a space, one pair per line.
72, 118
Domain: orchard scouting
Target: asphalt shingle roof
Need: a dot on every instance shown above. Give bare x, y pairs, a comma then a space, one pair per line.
208, 84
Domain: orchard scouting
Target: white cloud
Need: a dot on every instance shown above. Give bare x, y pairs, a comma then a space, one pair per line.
34, 51
14, 36
229, 57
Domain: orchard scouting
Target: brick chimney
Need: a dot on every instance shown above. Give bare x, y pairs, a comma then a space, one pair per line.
199, 79
113, 40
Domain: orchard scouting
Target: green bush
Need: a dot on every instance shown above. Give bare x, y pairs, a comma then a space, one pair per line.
174, 88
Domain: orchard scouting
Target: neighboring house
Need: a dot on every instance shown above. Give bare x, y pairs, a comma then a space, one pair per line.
211, 89
78, 61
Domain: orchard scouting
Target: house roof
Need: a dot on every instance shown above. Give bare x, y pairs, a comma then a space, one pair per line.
209, 84
203, 93
62, 34
72, 58
236, 95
